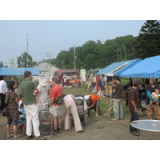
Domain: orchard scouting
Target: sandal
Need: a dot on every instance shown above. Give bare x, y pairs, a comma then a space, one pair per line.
9, 136
55, 132
18, 136
59, 130
40, 138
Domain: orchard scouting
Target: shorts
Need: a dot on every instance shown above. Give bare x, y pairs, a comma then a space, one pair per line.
55, 111
102, 88
10, 121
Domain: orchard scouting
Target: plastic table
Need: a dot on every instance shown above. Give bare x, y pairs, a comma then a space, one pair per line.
146, 125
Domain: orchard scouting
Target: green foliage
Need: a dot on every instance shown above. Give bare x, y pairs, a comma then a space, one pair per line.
22, 61
149, 39
1, 64
97, 55
33, 63
124, 80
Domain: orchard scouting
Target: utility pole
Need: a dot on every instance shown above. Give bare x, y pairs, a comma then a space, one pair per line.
27, 50
74, 58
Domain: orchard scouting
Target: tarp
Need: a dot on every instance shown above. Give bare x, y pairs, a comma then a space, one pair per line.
149, 67
118, 67
18, 71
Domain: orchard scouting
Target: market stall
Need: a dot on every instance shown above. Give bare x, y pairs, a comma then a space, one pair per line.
149, 67
115, 69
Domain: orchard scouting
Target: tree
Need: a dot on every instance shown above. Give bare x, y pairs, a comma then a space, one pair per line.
33, 63
1, 64
22, 60
98, 55
149, 39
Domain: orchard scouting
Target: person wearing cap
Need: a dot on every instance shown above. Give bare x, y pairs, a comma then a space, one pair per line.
117, 104
95, 101
43, 92
102, 85
133, 102
150, 88
55, 109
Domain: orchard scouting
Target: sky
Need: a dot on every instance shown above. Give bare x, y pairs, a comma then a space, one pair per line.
52, 36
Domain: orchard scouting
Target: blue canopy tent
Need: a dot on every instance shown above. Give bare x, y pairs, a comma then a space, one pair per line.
118, 67
18, 71
149, 67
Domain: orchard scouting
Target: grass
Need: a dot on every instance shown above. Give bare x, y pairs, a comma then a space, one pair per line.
104, 101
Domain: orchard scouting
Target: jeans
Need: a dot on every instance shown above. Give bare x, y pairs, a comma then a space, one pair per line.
134, 116
118, 109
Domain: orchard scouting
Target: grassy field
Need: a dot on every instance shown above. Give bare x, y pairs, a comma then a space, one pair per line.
104, 101
96, 128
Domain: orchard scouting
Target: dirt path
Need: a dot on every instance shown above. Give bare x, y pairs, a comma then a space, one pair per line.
101, 128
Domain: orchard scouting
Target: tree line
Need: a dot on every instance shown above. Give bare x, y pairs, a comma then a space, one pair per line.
95, 54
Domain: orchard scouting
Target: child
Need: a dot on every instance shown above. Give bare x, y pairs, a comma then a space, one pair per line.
76, 82
22, 112
155, 96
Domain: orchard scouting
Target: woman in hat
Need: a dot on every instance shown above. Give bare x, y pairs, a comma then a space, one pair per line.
43, 92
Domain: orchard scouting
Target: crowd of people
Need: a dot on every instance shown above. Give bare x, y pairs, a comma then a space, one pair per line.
25, 108
31, 99
137, 93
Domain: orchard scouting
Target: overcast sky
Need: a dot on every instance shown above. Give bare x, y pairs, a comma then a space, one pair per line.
53, 35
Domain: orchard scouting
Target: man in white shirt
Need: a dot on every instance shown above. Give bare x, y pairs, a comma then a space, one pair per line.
3, 91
